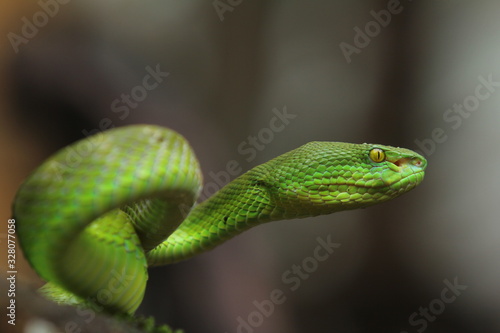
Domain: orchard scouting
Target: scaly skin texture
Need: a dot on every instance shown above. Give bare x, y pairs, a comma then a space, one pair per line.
93, 217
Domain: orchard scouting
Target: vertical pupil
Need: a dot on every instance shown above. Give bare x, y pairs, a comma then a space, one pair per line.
377, 155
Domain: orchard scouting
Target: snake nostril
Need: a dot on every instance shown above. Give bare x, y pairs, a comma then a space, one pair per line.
418, 162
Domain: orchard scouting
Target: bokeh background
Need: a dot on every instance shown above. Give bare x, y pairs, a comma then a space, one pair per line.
230, 64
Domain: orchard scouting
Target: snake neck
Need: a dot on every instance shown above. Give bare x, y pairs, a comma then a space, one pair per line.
240, 205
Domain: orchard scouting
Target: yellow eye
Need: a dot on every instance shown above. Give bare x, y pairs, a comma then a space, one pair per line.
377, 155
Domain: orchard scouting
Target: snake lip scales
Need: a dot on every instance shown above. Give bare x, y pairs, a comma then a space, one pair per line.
92, 228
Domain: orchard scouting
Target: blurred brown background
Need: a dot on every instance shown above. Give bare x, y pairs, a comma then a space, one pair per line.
400, 81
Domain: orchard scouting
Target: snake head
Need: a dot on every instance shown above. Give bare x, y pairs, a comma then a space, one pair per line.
324, 177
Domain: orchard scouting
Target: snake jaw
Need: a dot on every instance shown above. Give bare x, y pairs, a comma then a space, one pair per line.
410, 172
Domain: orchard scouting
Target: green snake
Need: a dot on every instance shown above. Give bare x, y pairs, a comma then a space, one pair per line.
93, 217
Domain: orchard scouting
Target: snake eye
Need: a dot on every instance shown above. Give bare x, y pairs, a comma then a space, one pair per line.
377, 155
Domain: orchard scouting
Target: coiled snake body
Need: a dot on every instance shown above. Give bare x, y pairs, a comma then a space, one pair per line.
94, 216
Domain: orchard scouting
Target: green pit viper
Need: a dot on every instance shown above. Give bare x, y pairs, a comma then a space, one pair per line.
93, 217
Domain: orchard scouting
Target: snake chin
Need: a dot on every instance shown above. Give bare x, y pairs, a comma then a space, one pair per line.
410, 181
